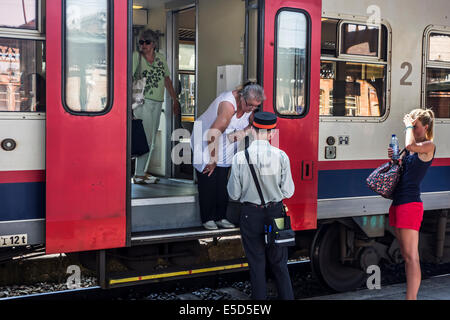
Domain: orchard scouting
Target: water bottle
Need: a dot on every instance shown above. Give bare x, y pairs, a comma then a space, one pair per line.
394, 146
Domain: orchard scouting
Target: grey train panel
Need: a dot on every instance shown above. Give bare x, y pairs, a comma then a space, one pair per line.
34, 229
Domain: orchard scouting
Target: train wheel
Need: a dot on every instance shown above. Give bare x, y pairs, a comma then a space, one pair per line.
326, 264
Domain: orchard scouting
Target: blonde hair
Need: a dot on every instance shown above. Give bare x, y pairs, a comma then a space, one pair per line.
426, 117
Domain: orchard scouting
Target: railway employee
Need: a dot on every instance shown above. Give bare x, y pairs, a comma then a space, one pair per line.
154, 67
406, 211
274, 175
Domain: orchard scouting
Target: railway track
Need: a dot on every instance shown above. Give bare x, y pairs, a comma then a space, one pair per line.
230, 286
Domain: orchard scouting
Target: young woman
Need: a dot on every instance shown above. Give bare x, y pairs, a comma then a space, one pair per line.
406, 211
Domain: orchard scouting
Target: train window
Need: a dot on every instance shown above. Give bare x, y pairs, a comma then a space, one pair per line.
291, 63
437, 79
352, 89
329, 36
438, 91
353, 71
22, 75
359, 39
19, 14
86, 59
439, 49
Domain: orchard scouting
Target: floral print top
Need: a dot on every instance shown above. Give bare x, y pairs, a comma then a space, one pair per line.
154, 73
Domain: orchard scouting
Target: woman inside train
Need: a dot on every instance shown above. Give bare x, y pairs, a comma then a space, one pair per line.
214, 142
153, 66
406, 211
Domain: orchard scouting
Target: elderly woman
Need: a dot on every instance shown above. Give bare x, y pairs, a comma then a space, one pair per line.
153, 67
214, 143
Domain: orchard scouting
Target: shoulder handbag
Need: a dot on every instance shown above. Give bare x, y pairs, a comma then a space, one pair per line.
275, 233
384, 179
138, 86
139, 144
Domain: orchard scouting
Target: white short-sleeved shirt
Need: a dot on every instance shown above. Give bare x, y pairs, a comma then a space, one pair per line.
272, 168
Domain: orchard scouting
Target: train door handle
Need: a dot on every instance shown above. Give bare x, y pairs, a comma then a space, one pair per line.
307, 170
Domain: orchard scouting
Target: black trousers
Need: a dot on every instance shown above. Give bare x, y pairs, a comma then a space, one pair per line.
258, 253
212, 194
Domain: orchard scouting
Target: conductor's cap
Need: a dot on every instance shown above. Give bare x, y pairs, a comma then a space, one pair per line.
265, 120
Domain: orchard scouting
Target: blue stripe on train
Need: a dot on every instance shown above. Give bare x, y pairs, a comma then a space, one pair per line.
352, 183
21, 201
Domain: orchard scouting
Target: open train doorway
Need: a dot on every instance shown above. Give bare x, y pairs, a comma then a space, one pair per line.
194, 45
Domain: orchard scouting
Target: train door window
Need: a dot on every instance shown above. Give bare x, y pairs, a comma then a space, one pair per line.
22, 75
291, 63
437, 69
353, 70
86, 59
252, 43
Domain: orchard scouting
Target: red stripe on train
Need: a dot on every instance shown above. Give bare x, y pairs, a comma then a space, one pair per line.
368, 164
22, 176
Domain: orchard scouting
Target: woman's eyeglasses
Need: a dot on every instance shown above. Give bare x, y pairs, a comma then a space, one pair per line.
147, 42
250, 105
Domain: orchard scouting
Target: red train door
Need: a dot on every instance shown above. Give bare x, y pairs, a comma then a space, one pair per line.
291, 82
86, 128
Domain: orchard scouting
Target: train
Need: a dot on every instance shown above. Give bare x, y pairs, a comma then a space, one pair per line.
339, 74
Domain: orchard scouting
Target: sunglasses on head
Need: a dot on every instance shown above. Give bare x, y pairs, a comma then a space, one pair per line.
147, 42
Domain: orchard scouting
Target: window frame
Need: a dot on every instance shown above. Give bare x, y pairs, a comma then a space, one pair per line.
362, 59
110, 64
308, 63
427, 63
28, 33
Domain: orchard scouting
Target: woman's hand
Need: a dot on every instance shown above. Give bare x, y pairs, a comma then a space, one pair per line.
209, 169
236, 136
390, 152
409, 121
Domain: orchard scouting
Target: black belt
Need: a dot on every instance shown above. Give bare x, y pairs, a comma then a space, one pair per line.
268, 205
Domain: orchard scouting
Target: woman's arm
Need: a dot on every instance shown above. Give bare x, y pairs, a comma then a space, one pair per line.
410, 142
224, 114
241, 134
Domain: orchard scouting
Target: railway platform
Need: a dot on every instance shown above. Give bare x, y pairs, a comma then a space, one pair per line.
435, 288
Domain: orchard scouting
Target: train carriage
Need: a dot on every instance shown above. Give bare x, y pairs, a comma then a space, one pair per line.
340, 75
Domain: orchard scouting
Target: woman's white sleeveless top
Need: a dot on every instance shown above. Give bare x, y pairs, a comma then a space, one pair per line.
199, 140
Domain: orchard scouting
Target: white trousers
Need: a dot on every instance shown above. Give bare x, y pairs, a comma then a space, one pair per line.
150, 113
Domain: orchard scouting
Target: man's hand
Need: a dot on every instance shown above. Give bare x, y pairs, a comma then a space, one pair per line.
209, 169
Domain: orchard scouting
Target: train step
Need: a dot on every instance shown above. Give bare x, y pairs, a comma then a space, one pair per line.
133, 278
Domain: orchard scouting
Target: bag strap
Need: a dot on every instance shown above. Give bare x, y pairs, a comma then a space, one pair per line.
255, 178
396, 161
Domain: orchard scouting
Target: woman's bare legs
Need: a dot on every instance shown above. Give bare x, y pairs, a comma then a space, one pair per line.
409, 246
